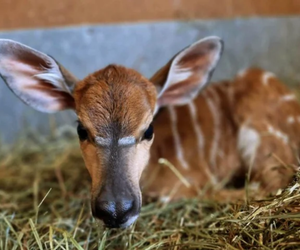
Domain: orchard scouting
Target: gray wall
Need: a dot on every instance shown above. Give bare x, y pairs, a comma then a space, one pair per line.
272, 43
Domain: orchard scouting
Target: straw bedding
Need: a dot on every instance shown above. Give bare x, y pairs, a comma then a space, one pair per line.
44, 193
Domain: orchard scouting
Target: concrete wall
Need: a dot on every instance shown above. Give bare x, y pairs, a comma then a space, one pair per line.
272, 43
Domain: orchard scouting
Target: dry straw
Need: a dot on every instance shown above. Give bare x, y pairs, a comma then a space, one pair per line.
44, 204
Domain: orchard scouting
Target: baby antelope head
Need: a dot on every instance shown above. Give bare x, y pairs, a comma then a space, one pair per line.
115, 108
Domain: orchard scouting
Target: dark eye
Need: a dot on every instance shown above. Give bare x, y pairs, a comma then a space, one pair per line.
148, 133
82, 133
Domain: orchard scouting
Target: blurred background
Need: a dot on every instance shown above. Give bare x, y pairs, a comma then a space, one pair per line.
85, 35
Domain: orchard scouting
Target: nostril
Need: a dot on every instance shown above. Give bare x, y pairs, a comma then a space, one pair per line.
114, 213
106, 209
125, 207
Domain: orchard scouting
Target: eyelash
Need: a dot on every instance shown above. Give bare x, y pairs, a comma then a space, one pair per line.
148, 134
82, 133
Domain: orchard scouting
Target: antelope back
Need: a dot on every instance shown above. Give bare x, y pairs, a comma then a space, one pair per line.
232, 127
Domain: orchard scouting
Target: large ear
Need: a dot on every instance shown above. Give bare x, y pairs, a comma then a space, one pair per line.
37, 79
181, 79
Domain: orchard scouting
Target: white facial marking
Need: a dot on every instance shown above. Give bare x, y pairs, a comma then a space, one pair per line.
129, 221
278, 134
126, 141
248, 143
103, 141
287, 98
178, 146
266, 76
290, 119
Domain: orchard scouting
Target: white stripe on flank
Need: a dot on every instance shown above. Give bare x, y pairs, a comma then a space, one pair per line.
197, 128
216, 135
129, 140
289, 97
201, 142
178, 147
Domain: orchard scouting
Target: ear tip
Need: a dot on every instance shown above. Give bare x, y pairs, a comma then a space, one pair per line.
215, 40
215, 43
7, 43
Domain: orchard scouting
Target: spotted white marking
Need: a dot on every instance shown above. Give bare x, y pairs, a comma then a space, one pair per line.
216, 132
287, 98
129, 221
178, 147
197, 128
129, 140
103, 141
248, 143
278, 134
290, 119
266, 77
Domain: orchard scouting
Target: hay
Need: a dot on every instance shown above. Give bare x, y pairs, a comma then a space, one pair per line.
44, 193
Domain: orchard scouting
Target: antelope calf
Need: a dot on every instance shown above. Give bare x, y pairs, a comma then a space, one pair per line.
210, 136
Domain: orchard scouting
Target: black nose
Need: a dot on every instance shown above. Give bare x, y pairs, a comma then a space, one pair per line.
115, 214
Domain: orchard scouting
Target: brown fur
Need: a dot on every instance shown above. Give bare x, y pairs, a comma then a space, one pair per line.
245, 100
96, 98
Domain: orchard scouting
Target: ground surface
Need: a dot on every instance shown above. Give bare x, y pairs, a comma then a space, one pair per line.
44, 193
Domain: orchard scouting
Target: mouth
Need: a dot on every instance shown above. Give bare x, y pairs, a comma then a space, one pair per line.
129, 222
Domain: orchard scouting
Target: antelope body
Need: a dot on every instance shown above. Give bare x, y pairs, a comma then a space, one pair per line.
250, 121
210, 136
